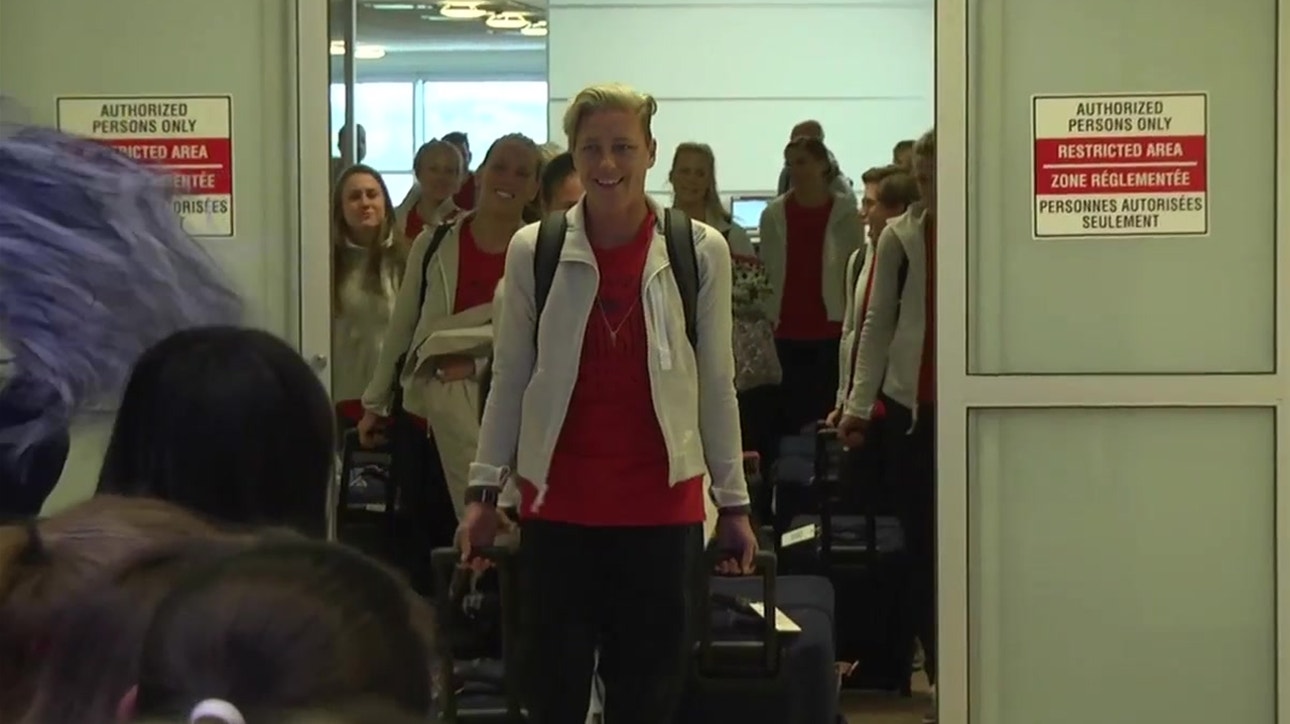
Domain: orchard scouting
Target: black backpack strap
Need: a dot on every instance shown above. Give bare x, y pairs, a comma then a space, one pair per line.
546, 258
679, 234
902, 274
857, 266
436, 241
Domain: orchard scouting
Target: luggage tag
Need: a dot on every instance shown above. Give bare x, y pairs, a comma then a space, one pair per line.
783, 624
801, 534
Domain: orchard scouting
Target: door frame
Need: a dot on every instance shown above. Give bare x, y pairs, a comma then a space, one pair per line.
311, 171
960, 392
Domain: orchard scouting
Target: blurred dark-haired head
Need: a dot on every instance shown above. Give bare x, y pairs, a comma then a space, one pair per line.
228, 422
285, 625
91, 663
561, 188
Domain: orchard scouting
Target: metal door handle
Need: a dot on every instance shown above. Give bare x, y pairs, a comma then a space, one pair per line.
318, 362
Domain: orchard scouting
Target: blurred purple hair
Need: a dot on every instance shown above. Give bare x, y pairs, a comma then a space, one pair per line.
95, 267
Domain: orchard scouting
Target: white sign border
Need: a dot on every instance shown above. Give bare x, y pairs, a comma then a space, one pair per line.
228, 103
1034, 191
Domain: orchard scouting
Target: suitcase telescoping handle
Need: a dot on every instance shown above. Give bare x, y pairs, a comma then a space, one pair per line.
828, 453
446, 563
767, 566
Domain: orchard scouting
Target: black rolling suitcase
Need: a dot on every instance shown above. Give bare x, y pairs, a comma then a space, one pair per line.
791, 478
391, 500
863, 554
746, 669
477, 625
366, 499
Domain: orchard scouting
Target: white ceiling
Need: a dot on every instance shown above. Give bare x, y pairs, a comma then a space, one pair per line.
418, 27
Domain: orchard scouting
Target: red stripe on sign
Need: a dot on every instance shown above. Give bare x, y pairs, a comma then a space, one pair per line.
197, 166
202, 183
176, 151
1120, 180
1130, 149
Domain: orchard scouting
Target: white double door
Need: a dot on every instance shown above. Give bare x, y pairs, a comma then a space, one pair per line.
1113, 472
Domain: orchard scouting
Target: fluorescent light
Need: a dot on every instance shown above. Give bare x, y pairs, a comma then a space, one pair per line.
535, 30
509, 20
364, 52
462, 10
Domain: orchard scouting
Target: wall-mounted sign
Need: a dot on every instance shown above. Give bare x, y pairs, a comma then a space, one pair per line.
1121, 165
188, 137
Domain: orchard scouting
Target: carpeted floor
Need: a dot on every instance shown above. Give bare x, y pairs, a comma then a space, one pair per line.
866, 708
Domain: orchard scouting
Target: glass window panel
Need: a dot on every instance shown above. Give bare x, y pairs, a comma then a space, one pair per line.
384, 110
1121, 566
399, 185
486, 111
1185, 304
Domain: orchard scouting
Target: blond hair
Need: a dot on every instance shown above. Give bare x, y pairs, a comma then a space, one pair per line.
609, 97
711, 198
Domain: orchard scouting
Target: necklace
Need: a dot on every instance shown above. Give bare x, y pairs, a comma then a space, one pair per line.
615, 329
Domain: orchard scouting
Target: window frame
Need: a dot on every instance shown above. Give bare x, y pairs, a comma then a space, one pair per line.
418, 85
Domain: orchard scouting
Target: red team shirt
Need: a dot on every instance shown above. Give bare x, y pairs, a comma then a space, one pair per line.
610, 465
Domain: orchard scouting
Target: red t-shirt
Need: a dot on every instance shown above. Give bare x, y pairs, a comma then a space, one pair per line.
802, 315
465, 196
478, 273
414, 224
610, 464
927, 368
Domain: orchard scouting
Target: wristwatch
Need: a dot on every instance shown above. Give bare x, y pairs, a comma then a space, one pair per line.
486, 494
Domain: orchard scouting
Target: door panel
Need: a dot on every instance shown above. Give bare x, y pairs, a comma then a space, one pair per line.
1126, 304
1123, 565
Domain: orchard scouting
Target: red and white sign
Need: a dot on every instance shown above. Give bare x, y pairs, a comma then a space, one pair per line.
188, 137
1121, 165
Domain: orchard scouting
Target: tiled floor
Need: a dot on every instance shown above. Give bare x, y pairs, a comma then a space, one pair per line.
866, 708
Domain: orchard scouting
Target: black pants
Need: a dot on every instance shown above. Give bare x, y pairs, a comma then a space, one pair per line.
630, 593
911, 465
810, 386
759, 422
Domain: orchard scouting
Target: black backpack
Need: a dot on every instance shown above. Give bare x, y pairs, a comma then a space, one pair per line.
685, 264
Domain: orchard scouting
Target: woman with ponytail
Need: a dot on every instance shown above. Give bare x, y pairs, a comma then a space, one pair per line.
439, 340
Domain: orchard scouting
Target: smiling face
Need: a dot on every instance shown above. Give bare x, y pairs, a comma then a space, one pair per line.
612, 155
508, 178
691, 178
439, 171
363, 204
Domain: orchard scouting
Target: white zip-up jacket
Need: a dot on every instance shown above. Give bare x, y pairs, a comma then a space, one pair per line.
852, 319
891, 338
694, 391
410, 326
843, 235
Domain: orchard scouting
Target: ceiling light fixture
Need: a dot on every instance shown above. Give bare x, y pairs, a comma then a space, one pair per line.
363, 52
534, 30
509, 20
462, 10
